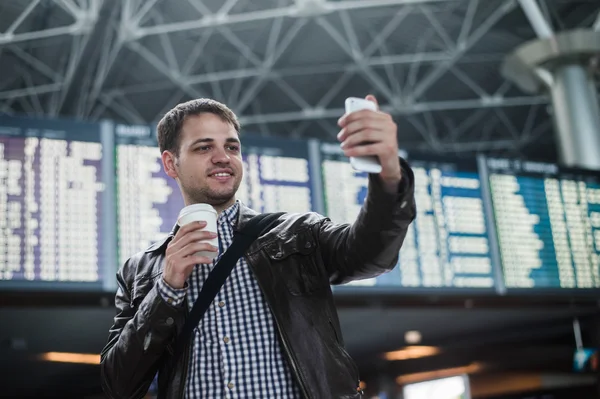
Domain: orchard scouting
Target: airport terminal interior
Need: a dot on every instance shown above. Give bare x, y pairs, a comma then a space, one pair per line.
496, 290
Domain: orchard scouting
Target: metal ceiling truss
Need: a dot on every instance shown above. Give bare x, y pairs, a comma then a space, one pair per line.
84, 15
405, 96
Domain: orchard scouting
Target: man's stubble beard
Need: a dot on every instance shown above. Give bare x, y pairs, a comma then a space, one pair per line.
204, 195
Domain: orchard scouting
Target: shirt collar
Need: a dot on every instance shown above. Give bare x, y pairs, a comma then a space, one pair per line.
230, 214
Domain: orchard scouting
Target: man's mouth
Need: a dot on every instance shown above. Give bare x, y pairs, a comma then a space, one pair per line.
221, 176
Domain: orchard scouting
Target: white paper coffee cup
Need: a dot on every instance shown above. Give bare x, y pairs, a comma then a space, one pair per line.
201, 213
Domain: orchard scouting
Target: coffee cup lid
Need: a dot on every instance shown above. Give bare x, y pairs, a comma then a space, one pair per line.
196, 208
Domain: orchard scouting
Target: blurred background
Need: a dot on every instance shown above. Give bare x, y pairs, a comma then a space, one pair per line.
496, 290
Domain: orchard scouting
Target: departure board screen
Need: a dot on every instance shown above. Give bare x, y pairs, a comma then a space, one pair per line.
277, 175
50, 199
447, 246
148, 201
548, 224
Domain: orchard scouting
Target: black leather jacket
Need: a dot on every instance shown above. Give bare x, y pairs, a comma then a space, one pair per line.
294, 264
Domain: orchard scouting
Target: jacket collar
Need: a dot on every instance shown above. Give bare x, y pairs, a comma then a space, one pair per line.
243, 216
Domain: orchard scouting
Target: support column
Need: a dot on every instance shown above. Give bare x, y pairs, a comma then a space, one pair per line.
561, 66
576, 116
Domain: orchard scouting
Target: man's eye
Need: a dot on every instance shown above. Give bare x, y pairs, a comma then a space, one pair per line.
203, 148
234, 148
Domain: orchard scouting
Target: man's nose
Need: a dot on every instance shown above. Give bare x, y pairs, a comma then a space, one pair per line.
220, 156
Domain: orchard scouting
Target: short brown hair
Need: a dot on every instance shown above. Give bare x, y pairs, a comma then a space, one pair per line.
169, 127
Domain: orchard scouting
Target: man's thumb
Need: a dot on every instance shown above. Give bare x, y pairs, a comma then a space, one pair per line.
372, 98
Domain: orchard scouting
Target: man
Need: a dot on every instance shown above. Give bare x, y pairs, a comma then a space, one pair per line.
272, 331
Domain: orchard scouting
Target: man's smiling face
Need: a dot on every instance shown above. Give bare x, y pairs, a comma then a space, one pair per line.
209, 167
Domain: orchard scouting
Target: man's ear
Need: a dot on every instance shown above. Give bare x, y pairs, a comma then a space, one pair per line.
169, 163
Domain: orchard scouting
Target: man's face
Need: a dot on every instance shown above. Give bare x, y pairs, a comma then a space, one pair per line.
209, 168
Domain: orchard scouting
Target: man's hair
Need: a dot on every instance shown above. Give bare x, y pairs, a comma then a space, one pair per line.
169, 127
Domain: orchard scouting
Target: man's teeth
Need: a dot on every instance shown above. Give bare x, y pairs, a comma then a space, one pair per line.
222, 174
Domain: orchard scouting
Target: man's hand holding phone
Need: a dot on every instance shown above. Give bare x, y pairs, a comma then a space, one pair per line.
372, 133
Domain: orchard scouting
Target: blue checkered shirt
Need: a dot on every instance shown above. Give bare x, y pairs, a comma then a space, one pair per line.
237, 352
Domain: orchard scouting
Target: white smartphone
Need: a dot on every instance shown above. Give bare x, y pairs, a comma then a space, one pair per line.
369, 164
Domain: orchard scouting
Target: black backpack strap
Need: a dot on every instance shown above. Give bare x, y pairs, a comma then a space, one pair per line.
211, 287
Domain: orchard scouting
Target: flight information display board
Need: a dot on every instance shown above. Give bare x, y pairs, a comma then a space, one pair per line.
447, 246
148, 201
277, 175
78, 199
548, 224
50, 199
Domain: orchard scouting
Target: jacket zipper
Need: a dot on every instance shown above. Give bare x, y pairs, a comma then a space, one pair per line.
352, 365
186, 360
292, 357
335, 334
285, 343
184, 372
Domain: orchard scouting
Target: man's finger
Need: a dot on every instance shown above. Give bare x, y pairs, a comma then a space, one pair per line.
365, 124
196, 236
372, 98
362, 150
349, 131
190, 227
360, 115
186, 230
364, 136
191, 248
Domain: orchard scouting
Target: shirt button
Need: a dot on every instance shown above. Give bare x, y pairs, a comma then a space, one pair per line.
170, 321
230, 385
221, 304
403, 204
226, 340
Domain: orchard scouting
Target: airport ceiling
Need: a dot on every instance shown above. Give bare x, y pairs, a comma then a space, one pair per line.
286, 66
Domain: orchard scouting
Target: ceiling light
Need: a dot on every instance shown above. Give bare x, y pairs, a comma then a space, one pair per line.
412, 337
66, 357
412, 352
435, 374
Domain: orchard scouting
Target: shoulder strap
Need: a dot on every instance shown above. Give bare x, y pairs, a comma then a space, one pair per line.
216, 278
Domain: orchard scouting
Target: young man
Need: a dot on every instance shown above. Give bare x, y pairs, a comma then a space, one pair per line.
272, 331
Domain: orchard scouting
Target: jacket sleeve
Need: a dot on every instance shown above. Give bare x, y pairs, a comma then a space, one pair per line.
137, 339
371, 245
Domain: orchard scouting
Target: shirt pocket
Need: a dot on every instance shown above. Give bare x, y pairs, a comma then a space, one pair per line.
295, 260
